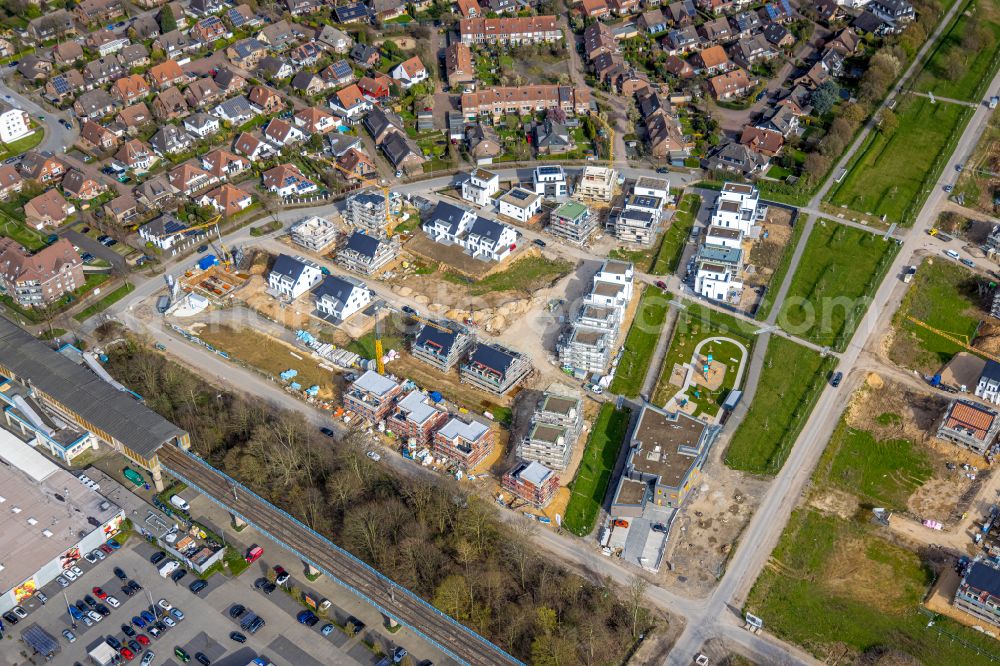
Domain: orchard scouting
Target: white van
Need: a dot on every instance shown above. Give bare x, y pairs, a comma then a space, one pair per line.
179, 503
168, 567
952, 254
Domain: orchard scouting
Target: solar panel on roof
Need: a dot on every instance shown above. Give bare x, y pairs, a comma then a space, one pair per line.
61, 84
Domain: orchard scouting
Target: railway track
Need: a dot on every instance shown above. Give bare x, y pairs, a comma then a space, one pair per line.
391, 599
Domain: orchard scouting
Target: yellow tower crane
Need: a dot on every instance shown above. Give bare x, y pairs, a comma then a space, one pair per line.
948, 336
389, 218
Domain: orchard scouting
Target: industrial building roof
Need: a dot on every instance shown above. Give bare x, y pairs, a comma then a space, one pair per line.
40, 518
78, 389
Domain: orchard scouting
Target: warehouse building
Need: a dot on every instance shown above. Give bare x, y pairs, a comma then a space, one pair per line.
79, 396
48, 520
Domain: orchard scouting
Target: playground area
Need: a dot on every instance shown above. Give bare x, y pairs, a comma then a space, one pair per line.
715, 368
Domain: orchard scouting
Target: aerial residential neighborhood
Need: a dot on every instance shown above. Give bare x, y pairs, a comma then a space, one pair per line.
494, 332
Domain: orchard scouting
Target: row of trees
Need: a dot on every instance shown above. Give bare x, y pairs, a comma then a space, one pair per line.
445, 545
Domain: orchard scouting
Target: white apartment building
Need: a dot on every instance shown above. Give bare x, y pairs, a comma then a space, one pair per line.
480, 187
13, 125
737, 207
718, 277
550, 182
290, 277
313, 233
340, 297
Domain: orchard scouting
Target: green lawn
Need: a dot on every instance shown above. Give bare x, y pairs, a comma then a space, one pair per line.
944, 295
978, 65
781, 272
105, 302
592, 479
640, 343
893, 174
22, 145
694, 324
881, 472
19, 231
837, 589
676, 236
527, 274
790, 383
840, 269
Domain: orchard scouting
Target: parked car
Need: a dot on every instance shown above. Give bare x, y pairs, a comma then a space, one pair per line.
280, 575
90, 557
327, 629
837, 378
254, 553
198, 586
659, 527
374, 456
134, 646
620, 523
168, 621
147, 616
157, 557
98, 553
968, 262
120, 573
182, 655
539, 242
398, 654
237, 610
69, 636
204, 248
177, 613
128, 631
114, 642
134, 586
62, 581
203, 659
147, 658
238, 637
99, 593
661, 284
127, 654
138, 622
177, 575
327, 431
113, 602
307, 618
11, 618
143, 640
354, 625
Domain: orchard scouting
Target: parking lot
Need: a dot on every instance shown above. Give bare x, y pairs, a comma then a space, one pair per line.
206, 625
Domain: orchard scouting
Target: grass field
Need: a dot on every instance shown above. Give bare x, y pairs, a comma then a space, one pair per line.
106, 302
978, 64
944, 295
789, 386
831, 288
781, 272
835, 588
676, 237
893, 173
592, 479
640, 343
882, 472
267, 355
527, 274
694, 324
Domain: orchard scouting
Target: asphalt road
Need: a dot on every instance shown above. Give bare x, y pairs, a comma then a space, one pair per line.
57, 137
765, 528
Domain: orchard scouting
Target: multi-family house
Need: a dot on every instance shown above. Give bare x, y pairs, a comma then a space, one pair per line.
371, 396
313, 233
366, 254
458, 67
525, 100
531, 482
366, 210
40, 278
464, 443
98, 11
494, 368
509, 31
338, 298
480, 187
415, 419
442, 344
290, 277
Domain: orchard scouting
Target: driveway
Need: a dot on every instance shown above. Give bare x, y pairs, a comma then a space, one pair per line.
88, 244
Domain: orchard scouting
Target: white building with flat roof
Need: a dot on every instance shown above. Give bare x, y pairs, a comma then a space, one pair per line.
48, 520
313, 233
520, 204
597, 183
737, 207
550, 181
480, 188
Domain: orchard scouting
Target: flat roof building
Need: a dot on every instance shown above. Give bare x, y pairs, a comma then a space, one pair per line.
372, 396
48, 520
532, 482
667, 452
572, 221
313, 233
82, 397
463, 443
597, 183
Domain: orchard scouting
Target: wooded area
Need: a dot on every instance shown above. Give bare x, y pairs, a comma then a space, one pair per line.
445, 545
